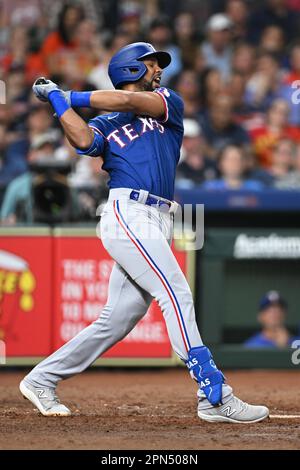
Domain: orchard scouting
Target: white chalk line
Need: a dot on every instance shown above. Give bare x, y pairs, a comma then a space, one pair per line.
285, 416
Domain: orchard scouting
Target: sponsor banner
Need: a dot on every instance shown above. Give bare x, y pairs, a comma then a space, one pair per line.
25, 295
51, 287
252, 243
269, 246
82, 270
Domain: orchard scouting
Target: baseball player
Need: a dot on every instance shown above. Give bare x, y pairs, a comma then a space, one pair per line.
139, 142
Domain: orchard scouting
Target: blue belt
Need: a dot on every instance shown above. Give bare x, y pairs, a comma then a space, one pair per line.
151, 200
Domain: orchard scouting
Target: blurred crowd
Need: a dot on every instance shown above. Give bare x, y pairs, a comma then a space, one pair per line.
235, 63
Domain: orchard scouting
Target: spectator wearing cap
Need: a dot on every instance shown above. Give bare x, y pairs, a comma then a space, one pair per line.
160, 35
271, 316
217, 49
194, 167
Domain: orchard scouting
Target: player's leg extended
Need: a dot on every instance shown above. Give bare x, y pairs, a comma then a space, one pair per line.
151, 263
147, 257
126, 304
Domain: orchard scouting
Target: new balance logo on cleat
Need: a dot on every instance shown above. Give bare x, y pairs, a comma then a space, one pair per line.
228, 410
41, 393
233, 411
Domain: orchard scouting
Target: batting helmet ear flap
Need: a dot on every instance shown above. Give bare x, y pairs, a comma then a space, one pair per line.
128, 72
127, 66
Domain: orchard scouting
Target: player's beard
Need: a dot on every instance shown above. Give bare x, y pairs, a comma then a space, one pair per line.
148, 85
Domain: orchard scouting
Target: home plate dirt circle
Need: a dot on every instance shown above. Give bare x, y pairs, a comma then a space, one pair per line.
149, 409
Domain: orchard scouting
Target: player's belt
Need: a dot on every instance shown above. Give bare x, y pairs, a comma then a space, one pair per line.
159, 203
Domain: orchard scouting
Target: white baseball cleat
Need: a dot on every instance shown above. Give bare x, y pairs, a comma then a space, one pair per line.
44, 399
234, 411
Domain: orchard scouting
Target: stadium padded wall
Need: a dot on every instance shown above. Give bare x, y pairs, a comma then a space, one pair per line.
235, 268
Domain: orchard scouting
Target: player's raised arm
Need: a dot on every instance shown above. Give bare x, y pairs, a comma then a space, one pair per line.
135, 72
79, 134
143, 102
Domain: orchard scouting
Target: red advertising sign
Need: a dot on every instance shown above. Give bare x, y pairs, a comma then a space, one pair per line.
25, 294
51, 287
81, 286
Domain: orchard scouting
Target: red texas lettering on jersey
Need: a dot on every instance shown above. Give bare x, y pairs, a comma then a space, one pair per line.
126, 134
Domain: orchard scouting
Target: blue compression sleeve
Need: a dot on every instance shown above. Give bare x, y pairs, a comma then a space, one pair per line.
81, 99
58, 102
96, 149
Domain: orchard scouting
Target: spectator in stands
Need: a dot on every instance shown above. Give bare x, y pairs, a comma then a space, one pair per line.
58, 43
236, 90
244, 60
263, 86
291, 81
273, 40
160, 35
17, 204
187, 85
238, 12
292, 179
15, 153
271, 316
84, 57
273, 12
226, 86
275, 128
232, 167
130, 20
219, 128
217, 49
194, 168
17, 49
255, 172
186, 38
283, 155
98, 75
18, 12
211, 85
22, 51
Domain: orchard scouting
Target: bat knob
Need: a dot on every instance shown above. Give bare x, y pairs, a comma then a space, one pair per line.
41, 81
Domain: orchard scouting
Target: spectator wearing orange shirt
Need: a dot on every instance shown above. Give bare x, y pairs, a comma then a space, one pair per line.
21, 53
58, 43
276, 127
80, 61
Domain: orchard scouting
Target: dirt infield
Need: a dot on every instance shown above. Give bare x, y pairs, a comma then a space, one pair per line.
153, 409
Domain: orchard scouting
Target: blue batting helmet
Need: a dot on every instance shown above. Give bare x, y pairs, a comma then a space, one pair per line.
126, 65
